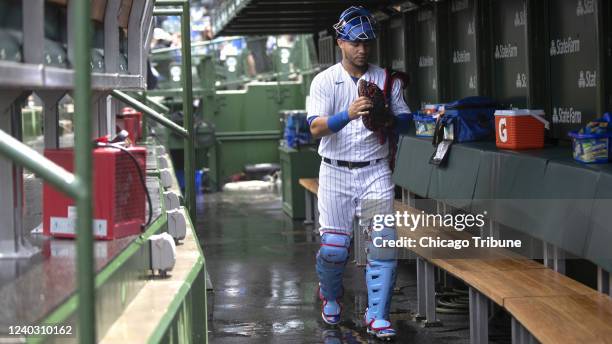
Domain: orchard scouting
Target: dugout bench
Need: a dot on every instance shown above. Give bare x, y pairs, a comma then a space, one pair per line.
546, 306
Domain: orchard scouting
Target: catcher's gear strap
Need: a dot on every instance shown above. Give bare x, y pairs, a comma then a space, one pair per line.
390, 76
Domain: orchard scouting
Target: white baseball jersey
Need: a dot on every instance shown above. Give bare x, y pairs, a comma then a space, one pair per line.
331, 92
343, 192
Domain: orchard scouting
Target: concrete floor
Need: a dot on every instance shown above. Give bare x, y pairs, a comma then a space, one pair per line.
261, 264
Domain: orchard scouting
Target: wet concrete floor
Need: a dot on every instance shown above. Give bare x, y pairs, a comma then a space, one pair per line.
261, 264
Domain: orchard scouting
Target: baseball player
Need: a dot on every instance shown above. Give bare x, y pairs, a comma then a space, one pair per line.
354, 170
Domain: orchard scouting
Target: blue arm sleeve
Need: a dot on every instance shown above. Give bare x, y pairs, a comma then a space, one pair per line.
338, 121
402, 123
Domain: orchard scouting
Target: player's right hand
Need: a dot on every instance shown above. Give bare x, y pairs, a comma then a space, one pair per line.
360, 107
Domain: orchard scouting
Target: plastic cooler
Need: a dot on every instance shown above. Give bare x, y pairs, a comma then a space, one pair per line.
131, 121
520, 129
424, 124
590, 148
118, 195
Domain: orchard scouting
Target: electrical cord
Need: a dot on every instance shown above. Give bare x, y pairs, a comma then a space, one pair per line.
140, 174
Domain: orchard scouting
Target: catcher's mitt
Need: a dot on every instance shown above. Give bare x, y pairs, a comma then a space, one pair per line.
379, 117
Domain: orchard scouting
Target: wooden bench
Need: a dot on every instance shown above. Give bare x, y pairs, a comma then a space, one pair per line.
545, 305
311, 185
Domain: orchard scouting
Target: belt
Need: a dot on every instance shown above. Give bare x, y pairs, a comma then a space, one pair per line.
351, 164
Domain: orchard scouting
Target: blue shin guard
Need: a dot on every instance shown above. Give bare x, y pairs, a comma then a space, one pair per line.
331, 261
380, 278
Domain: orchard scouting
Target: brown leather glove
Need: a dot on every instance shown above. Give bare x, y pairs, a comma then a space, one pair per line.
379, 117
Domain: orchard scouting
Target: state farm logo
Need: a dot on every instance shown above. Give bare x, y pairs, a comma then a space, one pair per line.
461, 56
459, 5
426, 61
472, 82
521, 80
587, 79
564, 46
567, 115
505, 51
520, 18
585, 7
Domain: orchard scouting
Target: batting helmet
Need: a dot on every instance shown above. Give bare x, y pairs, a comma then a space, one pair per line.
356, 24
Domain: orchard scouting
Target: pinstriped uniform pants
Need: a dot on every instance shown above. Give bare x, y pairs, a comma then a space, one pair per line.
345, 193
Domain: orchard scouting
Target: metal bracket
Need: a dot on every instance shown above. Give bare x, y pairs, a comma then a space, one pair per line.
165, 176
309, 208
162, 162
50, 113
13, 243
163, 253
604, 281
520, 335
171, 200
553, 257
479, 318
426, 294
177, 225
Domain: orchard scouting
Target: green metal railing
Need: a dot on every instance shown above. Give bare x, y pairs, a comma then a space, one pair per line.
188, 121
83, 170
79, 185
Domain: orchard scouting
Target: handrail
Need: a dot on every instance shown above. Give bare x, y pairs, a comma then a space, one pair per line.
161, 107
167, 12
188, 122
156, 116
196, 44
27, 157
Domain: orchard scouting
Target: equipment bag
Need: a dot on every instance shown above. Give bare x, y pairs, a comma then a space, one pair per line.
468, 119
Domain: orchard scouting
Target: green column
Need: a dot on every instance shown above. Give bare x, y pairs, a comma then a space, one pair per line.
189, 150
83, 169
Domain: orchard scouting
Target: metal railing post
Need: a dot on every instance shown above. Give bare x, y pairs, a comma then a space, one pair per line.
189, 173
189, 141
83, 169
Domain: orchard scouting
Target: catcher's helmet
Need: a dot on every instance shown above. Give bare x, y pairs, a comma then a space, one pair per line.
356, 24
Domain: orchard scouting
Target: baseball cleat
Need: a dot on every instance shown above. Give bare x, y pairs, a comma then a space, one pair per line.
380, 328
330, 311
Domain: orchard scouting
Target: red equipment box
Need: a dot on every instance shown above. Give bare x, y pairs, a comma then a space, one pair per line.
131, 121
520, 129
118, 195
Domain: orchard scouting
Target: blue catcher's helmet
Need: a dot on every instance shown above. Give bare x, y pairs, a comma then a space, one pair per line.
356, 24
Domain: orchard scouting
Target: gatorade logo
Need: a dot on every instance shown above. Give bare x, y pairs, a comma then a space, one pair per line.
503, 132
